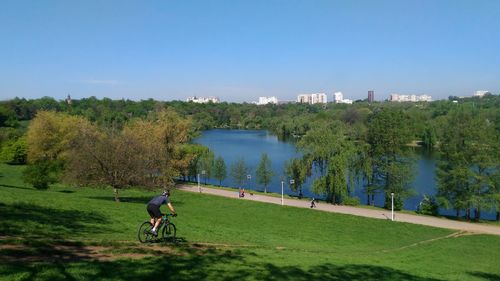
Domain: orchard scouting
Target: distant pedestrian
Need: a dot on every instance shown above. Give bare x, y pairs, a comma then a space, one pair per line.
313, 203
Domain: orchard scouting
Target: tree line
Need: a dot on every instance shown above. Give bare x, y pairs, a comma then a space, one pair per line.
368, 143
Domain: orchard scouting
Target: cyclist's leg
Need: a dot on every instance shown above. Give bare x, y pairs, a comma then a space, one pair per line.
157, 215
151, 212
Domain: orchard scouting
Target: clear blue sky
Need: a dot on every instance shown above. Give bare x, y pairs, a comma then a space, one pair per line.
240, 50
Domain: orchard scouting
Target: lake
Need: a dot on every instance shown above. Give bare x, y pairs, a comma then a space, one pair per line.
251, 144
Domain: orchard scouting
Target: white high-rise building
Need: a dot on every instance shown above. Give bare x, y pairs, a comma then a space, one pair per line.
480, 93
312, 98
409, 98
266, 100
338, 97
203, 99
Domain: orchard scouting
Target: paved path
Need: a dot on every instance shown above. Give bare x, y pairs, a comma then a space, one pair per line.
370, 213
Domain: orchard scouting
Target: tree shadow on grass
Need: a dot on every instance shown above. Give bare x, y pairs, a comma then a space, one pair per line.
16, 186
27, 221
191, 263
126, 199
485, 276
131, 199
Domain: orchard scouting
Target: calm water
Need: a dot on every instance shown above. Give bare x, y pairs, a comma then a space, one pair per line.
251, 144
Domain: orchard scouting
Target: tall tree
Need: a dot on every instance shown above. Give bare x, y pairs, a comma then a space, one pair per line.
468, 162
220, 172
298, 170
105, 159
196, 151
206, 163
388, 135
49, 137
146, 152
264, 171
329, 150
239, 172
162, 140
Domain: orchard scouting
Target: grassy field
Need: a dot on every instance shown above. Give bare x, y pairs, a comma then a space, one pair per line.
55, 235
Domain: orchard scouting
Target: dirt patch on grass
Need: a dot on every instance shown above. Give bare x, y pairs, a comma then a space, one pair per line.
13, 253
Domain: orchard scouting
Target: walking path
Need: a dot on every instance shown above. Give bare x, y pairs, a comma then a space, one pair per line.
377, 214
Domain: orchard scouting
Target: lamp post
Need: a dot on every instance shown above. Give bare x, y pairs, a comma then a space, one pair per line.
249, 177
282, 182
199, 186
198, 177
392, 206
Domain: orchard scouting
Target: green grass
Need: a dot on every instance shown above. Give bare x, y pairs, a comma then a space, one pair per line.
222, 239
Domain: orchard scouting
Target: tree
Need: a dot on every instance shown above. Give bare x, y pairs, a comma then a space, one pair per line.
298, 170
328, 149
468, 162
388, 134
50, 136
146, 152
105, 159
206, 163
14, 151
162, 139
41, 173
195, 151
264, 171
220, 172
239, 172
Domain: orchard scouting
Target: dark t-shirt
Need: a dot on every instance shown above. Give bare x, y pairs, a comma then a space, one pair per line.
159, 200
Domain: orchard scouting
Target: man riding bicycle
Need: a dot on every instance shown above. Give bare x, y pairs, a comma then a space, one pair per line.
153, 209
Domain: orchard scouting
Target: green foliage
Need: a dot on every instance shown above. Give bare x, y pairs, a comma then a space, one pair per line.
41, 174
239, 172
14, 151
7, 117
428, 206
220, 171
388, 135
206, 163
350, 201
329, 150
469, 154
264, 171
298, 170
196, 151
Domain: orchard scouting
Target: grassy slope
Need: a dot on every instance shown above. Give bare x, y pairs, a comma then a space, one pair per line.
275, 242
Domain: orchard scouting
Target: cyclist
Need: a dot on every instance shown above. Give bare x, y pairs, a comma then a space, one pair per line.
153, 209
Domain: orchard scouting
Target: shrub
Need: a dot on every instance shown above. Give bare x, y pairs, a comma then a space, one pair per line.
351, 201
428, 206
40, 174
14, 151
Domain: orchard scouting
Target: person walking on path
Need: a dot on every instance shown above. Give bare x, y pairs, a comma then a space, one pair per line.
313, 204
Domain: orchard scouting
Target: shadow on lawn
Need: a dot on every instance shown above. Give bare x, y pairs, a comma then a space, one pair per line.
27, 221
16, 186
485, 276
200, 264
135, 199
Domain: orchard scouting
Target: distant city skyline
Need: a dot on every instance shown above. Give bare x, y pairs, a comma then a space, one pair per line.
242, 50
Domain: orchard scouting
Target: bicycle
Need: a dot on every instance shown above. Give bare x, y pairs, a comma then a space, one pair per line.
166, 227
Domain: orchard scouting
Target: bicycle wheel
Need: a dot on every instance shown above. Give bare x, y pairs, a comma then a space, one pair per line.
145, 234
168, 233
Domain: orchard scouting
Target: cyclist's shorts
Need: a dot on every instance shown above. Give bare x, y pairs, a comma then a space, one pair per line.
154, 211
